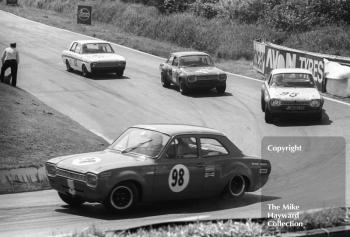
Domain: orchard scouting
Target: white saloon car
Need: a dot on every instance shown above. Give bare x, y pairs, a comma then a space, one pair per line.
93, 56
290, 91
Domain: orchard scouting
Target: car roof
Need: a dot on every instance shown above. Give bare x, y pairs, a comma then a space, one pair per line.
90, 41
188, 53
177, 129
290, 70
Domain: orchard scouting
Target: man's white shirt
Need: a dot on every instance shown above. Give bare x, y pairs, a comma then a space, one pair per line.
10, 54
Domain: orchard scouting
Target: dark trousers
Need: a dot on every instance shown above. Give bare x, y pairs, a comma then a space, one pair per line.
13, 65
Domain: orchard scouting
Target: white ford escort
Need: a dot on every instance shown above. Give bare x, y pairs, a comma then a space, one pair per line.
292, 91
93, 56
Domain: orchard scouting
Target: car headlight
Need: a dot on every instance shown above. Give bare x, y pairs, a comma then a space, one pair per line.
51, 169
222, 77
192, 78
91, 180
275, 102
315, 103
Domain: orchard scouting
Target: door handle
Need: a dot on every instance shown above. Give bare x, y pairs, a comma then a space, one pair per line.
200, 165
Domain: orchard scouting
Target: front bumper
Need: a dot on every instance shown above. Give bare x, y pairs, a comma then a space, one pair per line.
294, 109
205, 84
100, 70
81, 189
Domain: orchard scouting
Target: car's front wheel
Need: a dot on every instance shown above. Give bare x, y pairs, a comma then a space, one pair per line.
183, 87
122, 197
71, 200
263, 102
164, 81
85, 72
268, 115
221, 89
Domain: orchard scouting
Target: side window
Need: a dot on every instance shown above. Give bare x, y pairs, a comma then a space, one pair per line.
176, 61
170, 59
212, 147
78, 49
72, 48
182, 148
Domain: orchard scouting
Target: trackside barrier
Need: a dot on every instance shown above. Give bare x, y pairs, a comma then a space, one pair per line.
331, 73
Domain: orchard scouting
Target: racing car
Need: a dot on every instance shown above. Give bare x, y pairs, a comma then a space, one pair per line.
148, 163
93, 56
189, 70
290, 91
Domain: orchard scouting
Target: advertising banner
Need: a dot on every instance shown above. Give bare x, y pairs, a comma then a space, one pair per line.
84, 14
259, 57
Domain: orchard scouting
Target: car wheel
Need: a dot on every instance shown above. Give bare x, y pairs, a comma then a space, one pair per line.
221, 89
71, 200
183, 87
164, 81
263, 102
122, 197
68, 67
85, 72
120, 72
318, 116
268, 115
237, 187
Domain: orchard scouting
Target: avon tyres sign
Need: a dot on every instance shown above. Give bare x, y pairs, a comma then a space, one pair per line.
84, 14
280, 58
259, 57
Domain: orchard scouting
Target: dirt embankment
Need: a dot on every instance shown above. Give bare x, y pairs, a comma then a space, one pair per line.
31, 133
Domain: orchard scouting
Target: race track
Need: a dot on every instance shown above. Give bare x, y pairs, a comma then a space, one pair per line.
108, 105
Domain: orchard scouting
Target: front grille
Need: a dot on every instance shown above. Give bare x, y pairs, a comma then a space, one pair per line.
71, 175
207, 77
295, 103
108, 64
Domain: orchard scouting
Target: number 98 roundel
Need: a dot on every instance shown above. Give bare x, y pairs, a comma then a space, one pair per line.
178, 178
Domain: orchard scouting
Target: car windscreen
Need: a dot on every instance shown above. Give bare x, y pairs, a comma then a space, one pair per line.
141, 142
196, 61
292, 80
92, 48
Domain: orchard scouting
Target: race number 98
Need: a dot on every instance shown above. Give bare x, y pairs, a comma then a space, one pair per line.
178, 178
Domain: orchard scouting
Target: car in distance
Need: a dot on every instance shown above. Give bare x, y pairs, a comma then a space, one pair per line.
157, 162
92, 57
290, 91
189, 70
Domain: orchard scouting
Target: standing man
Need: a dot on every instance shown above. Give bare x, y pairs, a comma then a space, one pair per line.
10, 58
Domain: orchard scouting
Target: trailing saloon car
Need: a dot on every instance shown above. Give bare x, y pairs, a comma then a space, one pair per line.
93, 56
157, 162
189, 70
290, 91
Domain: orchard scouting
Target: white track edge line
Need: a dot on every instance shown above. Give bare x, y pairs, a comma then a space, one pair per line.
139, 51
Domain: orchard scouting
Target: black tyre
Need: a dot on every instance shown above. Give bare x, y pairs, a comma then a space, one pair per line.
164, 81
263, 102
183, 87
268, 115
68, 67
221, 89
120, 72
85, 72
71, 200
237, 187
122, 197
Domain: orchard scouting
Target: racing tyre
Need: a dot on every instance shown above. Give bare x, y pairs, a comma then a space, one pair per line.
183, 87
262, 103
122, 197
71, 200
120, 73
164, 81
268, 115
85, 72
236, 187
221, 89
68, 67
